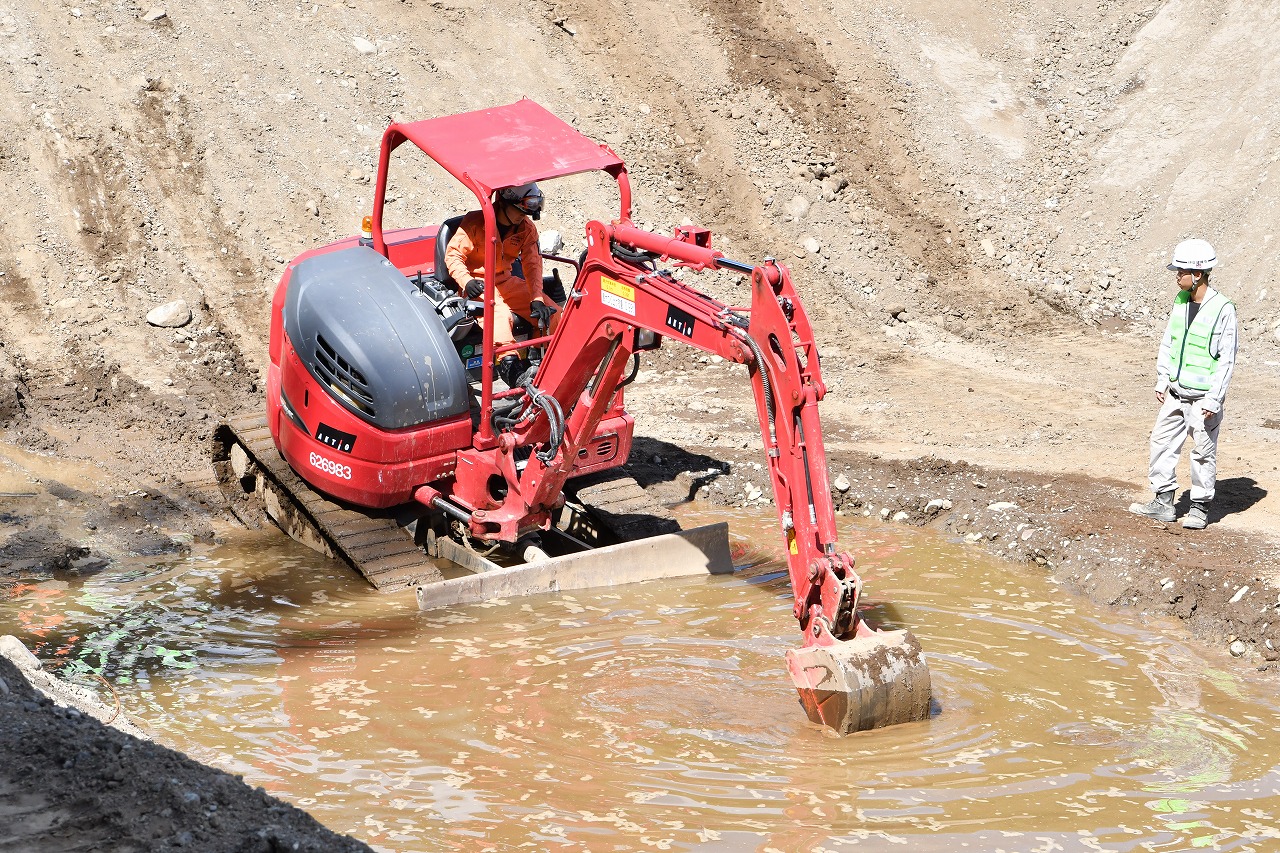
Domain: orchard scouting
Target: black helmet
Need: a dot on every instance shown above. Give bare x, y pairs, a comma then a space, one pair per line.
527, 197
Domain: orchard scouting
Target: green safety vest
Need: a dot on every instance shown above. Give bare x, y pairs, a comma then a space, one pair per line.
1193, 366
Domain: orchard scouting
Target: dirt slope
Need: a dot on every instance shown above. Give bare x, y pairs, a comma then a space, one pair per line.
976, 200
980, 171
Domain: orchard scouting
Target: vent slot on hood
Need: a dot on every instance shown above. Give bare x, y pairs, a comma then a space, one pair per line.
342, 378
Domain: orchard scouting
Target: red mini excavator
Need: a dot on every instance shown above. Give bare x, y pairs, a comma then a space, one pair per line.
391, 442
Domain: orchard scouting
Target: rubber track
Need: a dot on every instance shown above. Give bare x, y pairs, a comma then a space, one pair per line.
377, 547
622, 505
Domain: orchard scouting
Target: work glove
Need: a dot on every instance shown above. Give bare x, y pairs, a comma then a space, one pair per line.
474, 288
541, 311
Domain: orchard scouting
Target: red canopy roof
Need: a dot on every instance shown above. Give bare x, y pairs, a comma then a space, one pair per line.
505, 146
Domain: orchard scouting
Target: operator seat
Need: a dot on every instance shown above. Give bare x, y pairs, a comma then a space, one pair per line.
447, 229
460, 332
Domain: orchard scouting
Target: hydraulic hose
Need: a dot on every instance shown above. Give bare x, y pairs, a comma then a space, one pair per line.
635, 257
808, 474
635, 370
765, 384
555, 420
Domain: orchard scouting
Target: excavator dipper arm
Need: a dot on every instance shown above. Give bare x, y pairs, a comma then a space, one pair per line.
849, 676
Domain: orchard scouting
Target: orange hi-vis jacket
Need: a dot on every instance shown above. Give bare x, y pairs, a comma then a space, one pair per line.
464, 258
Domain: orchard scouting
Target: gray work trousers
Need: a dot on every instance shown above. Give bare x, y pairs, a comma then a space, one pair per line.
1178, 419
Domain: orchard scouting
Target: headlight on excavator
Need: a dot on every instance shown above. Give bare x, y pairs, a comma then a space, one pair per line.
647, 339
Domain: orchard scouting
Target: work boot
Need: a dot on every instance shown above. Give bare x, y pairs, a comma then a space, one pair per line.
509, 370
1198, 517
1160, 508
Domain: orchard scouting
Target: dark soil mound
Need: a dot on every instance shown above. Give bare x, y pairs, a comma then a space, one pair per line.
70, 783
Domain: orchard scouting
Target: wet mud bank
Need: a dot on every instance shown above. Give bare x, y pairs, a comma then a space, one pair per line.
72, 782
1217, 581
77, 783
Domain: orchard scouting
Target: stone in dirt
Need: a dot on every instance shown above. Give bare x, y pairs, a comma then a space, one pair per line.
171, 315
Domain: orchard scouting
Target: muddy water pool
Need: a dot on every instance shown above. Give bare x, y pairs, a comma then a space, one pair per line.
660, 716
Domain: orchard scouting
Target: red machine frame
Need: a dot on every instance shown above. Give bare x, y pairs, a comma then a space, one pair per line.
475, 476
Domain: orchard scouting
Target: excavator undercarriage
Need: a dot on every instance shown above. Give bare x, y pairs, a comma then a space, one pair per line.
399, 548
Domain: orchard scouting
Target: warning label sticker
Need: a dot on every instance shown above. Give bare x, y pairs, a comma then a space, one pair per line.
619, 296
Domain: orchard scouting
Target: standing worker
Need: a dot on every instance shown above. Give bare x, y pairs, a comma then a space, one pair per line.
513, 208
1193, 372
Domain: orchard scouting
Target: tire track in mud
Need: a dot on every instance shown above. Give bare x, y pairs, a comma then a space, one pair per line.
181, 176
166, 139
132, 197
185, 183
98, 187
16, 289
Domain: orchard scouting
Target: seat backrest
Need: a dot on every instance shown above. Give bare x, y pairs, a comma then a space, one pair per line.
447, 229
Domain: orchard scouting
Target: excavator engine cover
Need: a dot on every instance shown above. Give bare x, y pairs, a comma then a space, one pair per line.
368, 336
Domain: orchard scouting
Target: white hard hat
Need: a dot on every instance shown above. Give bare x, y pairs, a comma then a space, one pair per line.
527, 197
1194, 255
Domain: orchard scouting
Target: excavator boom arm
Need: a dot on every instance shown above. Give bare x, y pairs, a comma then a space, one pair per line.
584, 364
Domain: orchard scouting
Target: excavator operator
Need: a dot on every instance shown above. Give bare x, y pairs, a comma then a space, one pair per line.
514, 207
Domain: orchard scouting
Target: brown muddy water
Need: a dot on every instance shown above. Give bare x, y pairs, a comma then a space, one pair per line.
660, 716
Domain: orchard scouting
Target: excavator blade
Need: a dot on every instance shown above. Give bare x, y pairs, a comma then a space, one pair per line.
880, 679
687, 553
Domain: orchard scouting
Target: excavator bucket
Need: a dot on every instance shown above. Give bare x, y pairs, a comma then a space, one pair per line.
878, 679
